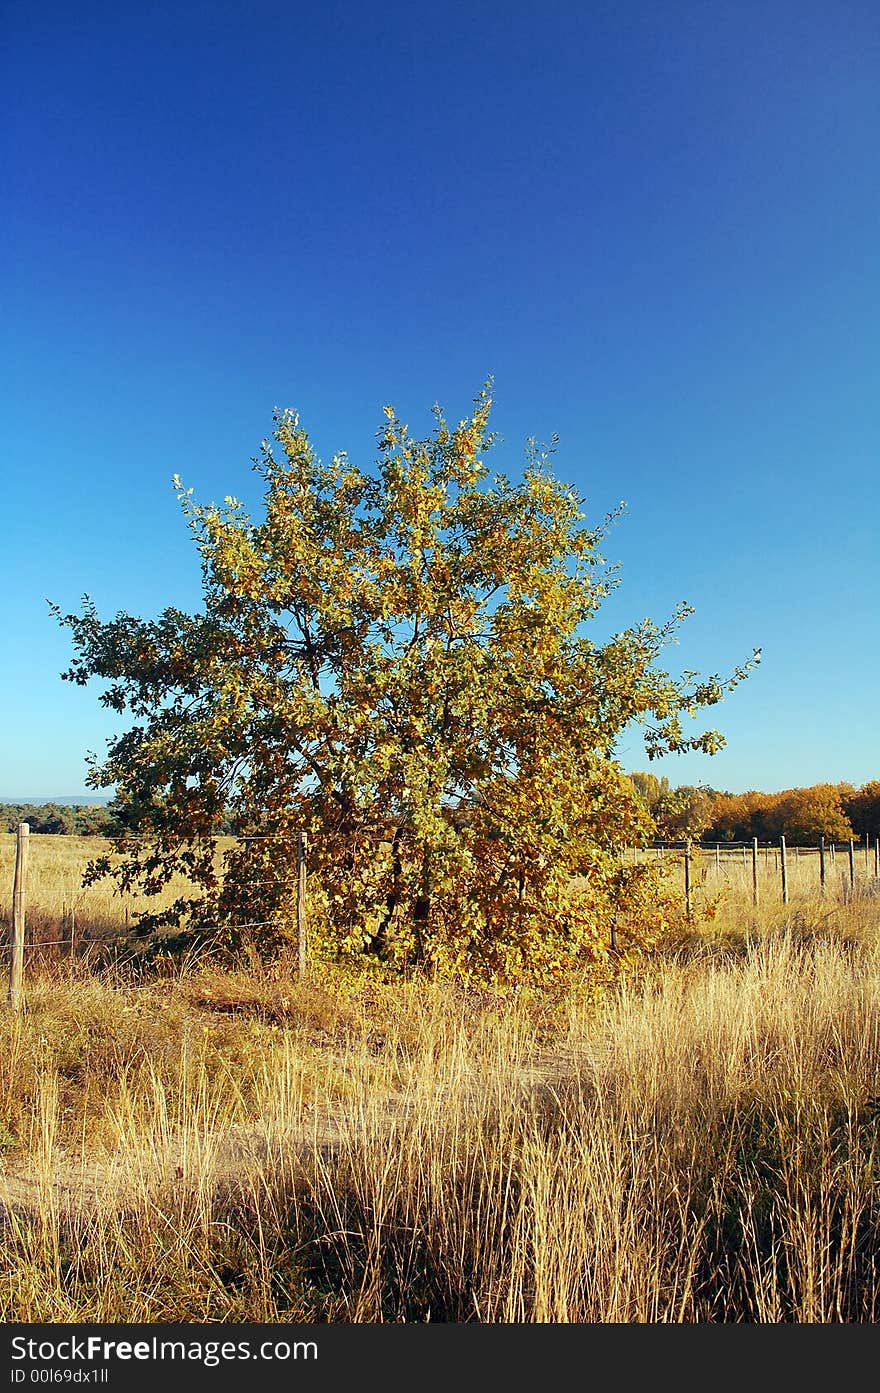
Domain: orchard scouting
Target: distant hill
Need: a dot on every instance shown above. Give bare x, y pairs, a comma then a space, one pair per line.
77, 800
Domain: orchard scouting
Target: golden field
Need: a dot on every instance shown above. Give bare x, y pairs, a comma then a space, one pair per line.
701, 1145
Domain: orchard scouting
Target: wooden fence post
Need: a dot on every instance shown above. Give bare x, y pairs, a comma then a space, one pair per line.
852, 867
821, 865
301, 925
688, 902
784, 873
754, 870
877, 858
19, 908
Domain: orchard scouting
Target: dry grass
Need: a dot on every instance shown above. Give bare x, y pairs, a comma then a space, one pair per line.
237, 1147
58, 904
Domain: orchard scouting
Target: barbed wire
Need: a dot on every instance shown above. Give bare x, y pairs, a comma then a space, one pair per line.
381, 834
721, 851
135, 937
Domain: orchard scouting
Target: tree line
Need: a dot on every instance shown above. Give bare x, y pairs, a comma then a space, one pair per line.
61, 819
802, 815
836, 812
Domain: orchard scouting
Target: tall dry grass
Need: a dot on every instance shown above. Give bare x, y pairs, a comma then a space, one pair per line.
703, 1147
58, 904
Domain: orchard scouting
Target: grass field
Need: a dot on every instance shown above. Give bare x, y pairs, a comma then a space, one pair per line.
229, 1146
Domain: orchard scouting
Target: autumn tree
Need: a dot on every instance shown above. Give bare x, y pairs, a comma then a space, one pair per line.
398, 661
862, 807
683, 812
649, 788
802, 815
675, 813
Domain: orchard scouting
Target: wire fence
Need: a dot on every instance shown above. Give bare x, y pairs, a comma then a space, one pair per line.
55, 916
65, 918
763, 870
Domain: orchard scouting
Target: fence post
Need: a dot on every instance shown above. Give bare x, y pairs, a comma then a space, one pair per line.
822, 865
877, 858
688, 903
19, 909
754, 870
301, 903
867, 852
784, 874
852, 867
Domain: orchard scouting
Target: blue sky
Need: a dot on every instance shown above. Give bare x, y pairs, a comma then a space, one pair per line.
656, 226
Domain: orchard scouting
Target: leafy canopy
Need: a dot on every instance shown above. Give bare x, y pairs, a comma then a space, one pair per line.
396, 660
803, 815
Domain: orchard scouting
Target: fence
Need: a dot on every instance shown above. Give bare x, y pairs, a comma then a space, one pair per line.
62, 926
831, 869
840, 870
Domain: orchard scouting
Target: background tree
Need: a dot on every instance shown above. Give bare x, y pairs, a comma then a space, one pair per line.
802, 815
650, 788
93, 820
676, 813
683, 812
397, 661
731, 817
862, 807
50, 819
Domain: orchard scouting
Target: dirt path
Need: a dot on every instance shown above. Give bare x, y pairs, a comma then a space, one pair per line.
58, 1186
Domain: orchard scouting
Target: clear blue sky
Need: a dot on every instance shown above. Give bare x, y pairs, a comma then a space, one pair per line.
655, 224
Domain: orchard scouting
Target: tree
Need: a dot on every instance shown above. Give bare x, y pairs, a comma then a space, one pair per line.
675, 812
649, 788
48, 819
803, 815
862, 807
682, 812
735, 817
93, 820
396, 661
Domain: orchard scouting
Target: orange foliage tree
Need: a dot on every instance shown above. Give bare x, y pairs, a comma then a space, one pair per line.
802, 815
